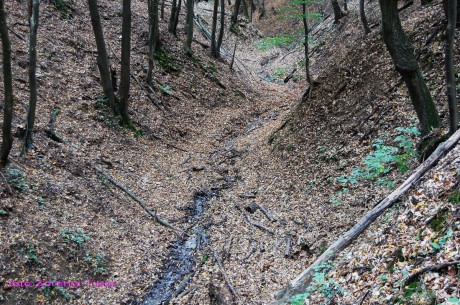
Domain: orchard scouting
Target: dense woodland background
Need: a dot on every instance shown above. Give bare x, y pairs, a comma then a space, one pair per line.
212, 152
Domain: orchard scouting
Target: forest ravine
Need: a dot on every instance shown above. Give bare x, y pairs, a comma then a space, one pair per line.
216, 134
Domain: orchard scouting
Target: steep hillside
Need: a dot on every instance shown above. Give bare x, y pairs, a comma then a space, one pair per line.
222, 152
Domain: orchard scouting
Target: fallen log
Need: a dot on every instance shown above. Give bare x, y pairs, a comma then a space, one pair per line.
301, 282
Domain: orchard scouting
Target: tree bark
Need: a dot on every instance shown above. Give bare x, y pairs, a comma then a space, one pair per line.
338, 14
125, 74
33, 24
214, 50
222, 25
244, 4
176, 17
362, 14
154, 36
450, 74
402, 53
301, 282
262, 9
172, 17
7, 137
189, 29
307, 57
236, 10
102, 57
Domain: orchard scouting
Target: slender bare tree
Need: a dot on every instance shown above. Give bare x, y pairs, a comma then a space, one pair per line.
125, 74
154, 36
33, 25
102, 57
362, 14
450, 74
7, 137
189, 28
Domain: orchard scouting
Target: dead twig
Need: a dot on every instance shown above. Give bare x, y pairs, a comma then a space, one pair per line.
259, 226
364, 297
52, 131
431, 268
221, 266
16, 34
287, 252
153, 214
267, 213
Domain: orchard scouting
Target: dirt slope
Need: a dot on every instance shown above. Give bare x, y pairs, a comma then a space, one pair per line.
64, 222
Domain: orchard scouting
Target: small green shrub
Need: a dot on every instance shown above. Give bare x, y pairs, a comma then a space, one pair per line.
326, 287
384, 159
438, 243
168, 63
78, 236
287, 41
96, 262
30, 251
279, 74
17, 179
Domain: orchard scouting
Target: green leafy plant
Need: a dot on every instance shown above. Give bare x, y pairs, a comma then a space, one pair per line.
30, 252
17, 179
299, 299
166, 61
78, 236
279, 73
326, 287
97, 262
165, 89
454, 198
287, 41
384, 159
438, 243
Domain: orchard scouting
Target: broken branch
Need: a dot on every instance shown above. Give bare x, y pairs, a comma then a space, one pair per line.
153, 214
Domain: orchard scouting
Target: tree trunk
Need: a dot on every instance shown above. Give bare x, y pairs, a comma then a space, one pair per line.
236, 10
7, 137
172, 17
445, 5
189, 28
402, 53
244, 4
154, 36
338, 14
33, 24
176, 17
222, 25
214, 50
345, 5
162, 9
262, 9
307, 57
450, 76
102, 57
362, 13
125, 74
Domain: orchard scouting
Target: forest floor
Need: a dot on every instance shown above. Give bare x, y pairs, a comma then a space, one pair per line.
215, 140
